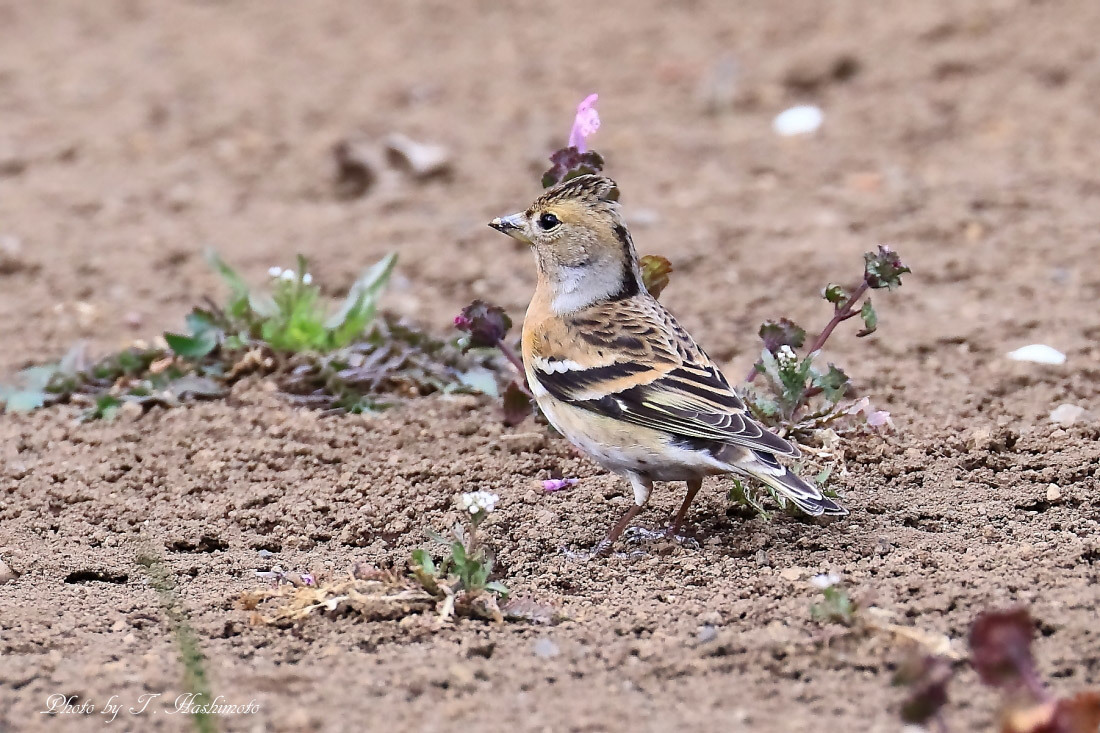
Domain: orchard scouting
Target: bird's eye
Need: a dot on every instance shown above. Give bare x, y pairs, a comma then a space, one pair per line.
548, 221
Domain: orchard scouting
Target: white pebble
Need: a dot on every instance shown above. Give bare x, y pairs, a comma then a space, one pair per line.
800, 120
1067, 414
1038, 354
1053, 493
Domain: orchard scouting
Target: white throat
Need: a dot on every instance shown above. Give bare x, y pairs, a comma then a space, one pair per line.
579, 287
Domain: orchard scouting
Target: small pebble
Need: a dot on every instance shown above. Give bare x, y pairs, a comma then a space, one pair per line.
801, 120
421, 159
546, 649
6, 573
790, 573
1038, 354
1067, 414
1053, 493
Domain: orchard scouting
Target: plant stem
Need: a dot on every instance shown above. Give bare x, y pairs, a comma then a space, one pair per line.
517, 363
842, 313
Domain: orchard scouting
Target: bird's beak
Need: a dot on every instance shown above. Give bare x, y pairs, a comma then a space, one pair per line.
512, 226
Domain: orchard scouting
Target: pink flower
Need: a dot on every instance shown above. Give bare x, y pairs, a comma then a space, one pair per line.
880, 419
585, 123
875, 418
557, 484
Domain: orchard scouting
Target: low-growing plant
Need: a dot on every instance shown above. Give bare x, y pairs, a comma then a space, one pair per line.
463, 574
800, 397
347, 358
193, 662
999, 644
1000, 653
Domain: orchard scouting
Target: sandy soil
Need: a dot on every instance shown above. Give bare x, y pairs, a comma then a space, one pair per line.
134, 134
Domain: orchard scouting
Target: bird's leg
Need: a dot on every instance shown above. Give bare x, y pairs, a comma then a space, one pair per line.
642, 489
693, 488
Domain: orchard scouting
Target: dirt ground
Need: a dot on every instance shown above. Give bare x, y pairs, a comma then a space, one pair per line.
134, 134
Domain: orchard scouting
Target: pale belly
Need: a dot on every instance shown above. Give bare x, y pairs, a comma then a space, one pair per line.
628, 449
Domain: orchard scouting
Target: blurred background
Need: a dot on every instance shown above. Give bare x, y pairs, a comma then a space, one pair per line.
134, 134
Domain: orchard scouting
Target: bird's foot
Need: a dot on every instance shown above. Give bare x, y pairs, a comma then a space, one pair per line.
639, 535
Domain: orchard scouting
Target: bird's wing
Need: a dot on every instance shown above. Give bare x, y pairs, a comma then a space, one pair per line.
630, 360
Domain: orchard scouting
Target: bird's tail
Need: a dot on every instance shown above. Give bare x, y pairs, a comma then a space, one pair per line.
808, 498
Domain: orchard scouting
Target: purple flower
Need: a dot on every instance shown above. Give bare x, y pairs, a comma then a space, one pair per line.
585, 123
308, 579
557, 484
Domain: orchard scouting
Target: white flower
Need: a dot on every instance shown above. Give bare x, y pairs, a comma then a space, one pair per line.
274, 271
288, 275
478, 501
307, 279
786, 356
825, 580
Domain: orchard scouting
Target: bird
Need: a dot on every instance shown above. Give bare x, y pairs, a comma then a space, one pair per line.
616, 374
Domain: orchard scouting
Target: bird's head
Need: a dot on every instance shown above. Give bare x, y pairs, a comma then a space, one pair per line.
583, 250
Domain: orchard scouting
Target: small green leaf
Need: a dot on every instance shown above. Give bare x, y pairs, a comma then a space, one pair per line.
764, 406
742, 495
783, 332
870, 319
480, 379
363, 294
835, 294
38, 378
235, 282
823, 476
192, 347
458, 553
263, 305
793, 377
424, 560
24, 400
497, 587
477, 577
837, 607
105, 408
200, 320
834, 383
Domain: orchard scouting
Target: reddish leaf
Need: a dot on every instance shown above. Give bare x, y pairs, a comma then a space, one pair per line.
927, 678
1000, 648
516, 404
570, 163
1079, 714
486, 324
883, 269
783, 332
